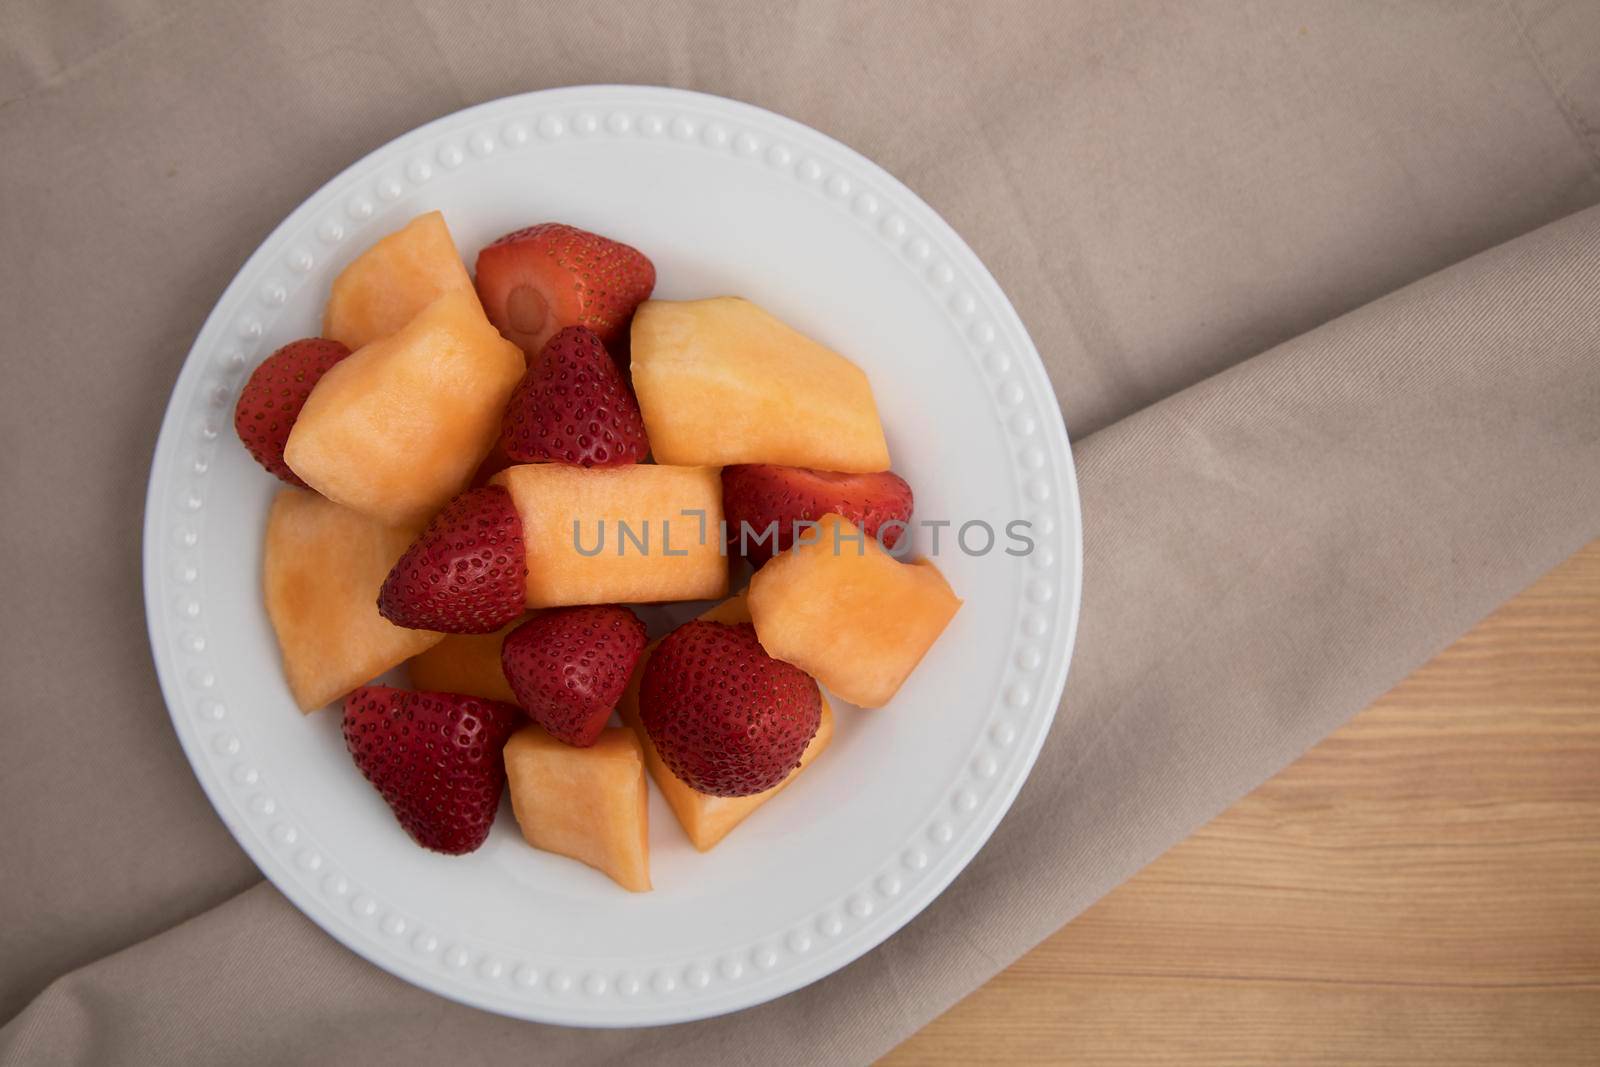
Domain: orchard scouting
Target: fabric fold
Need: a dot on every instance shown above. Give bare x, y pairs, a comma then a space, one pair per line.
1266, 552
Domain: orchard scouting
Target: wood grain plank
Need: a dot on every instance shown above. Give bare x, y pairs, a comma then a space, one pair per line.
1422, 887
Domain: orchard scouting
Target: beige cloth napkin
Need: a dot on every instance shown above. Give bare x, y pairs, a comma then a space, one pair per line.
1163, 189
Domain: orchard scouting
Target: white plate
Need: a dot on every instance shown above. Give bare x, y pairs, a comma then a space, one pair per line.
725, 198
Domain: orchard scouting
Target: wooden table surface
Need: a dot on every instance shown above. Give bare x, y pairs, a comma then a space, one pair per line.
1421, 887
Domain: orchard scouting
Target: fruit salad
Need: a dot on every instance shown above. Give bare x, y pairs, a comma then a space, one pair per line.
483, 471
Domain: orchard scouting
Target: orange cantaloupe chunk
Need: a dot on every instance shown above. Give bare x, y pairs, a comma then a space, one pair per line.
321, 573
849, 614
707, 819
385, 286
721, 381
681, 558
591, 804
395, 429
466, 663
733, 611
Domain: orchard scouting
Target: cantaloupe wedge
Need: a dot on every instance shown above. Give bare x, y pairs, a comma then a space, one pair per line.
395, 429
385, 287
591, 804
708, 819
721, 381
849, 614
579, 554
320, 577
734, 610
465, 663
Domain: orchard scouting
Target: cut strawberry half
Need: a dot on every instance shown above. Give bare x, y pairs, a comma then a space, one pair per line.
466, 573
724, 716
569, 667
542, 279
435, 758
572, 406
271, 400
762, 503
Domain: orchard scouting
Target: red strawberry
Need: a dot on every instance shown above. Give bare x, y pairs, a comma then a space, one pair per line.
569, 667
271, 400
726, 717
466, 573
543, 278
572, 406
758, 494
434, 758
